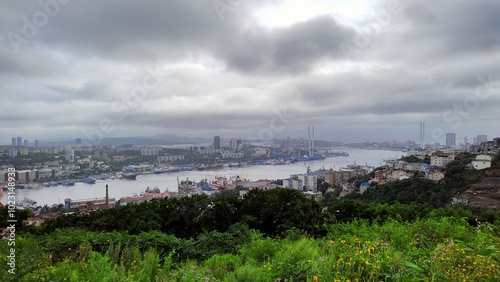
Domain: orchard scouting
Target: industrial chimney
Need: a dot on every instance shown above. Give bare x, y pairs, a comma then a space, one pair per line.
107, 197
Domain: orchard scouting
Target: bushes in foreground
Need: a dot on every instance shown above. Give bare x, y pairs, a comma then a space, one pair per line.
445, 249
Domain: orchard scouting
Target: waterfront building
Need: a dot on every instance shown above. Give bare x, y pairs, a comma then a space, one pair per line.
22, 176
170, 158
85, 205
137, 199
232, 155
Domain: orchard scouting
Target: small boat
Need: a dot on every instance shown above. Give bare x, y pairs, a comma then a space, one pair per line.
67, 182
166, 170
151, 191
186, 187
88, 180
129, 175
26, 204
219, 183
205, 186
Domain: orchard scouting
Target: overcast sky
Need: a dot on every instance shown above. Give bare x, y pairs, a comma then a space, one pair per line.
249, 68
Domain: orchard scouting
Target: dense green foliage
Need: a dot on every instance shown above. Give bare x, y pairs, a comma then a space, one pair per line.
231, 239
272, 212
433, 249
415, 159
414, 190
20, 215
496, 161
21, 162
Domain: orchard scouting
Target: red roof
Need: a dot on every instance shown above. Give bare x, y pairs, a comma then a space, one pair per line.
441, 154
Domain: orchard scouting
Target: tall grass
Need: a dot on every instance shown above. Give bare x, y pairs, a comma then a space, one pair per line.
436, 249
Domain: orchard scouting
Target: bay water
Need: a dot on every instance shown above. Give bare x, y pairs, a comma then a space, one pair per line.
118, 188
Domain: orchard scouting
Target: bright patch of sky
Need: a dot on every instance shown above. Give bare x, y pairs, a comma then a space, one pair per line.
288, 12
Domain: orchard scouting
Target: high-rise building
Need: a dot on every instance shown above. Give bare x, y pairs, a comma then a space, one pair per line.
78, 141
14, 142
474, 141
25, 143
422, 135
217, 144
19, 141
482, 138
37, 143
450, 139
13, 152
233, 144
69, 154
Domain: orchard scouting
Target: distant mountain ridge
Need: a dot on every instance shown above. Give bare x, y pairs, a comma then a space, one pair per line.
159, 139
181, 139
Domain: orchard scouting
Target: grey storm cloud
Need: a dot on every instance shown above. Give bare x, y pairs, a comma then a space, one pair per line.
291, 50
231, 73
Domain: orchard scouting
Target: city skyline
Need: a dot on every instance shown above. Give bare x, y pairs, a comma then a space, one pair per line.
249, 69
231, 141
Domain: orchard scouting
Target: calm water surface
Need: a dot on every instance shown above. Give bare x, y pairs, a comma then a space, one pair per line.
122, 187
